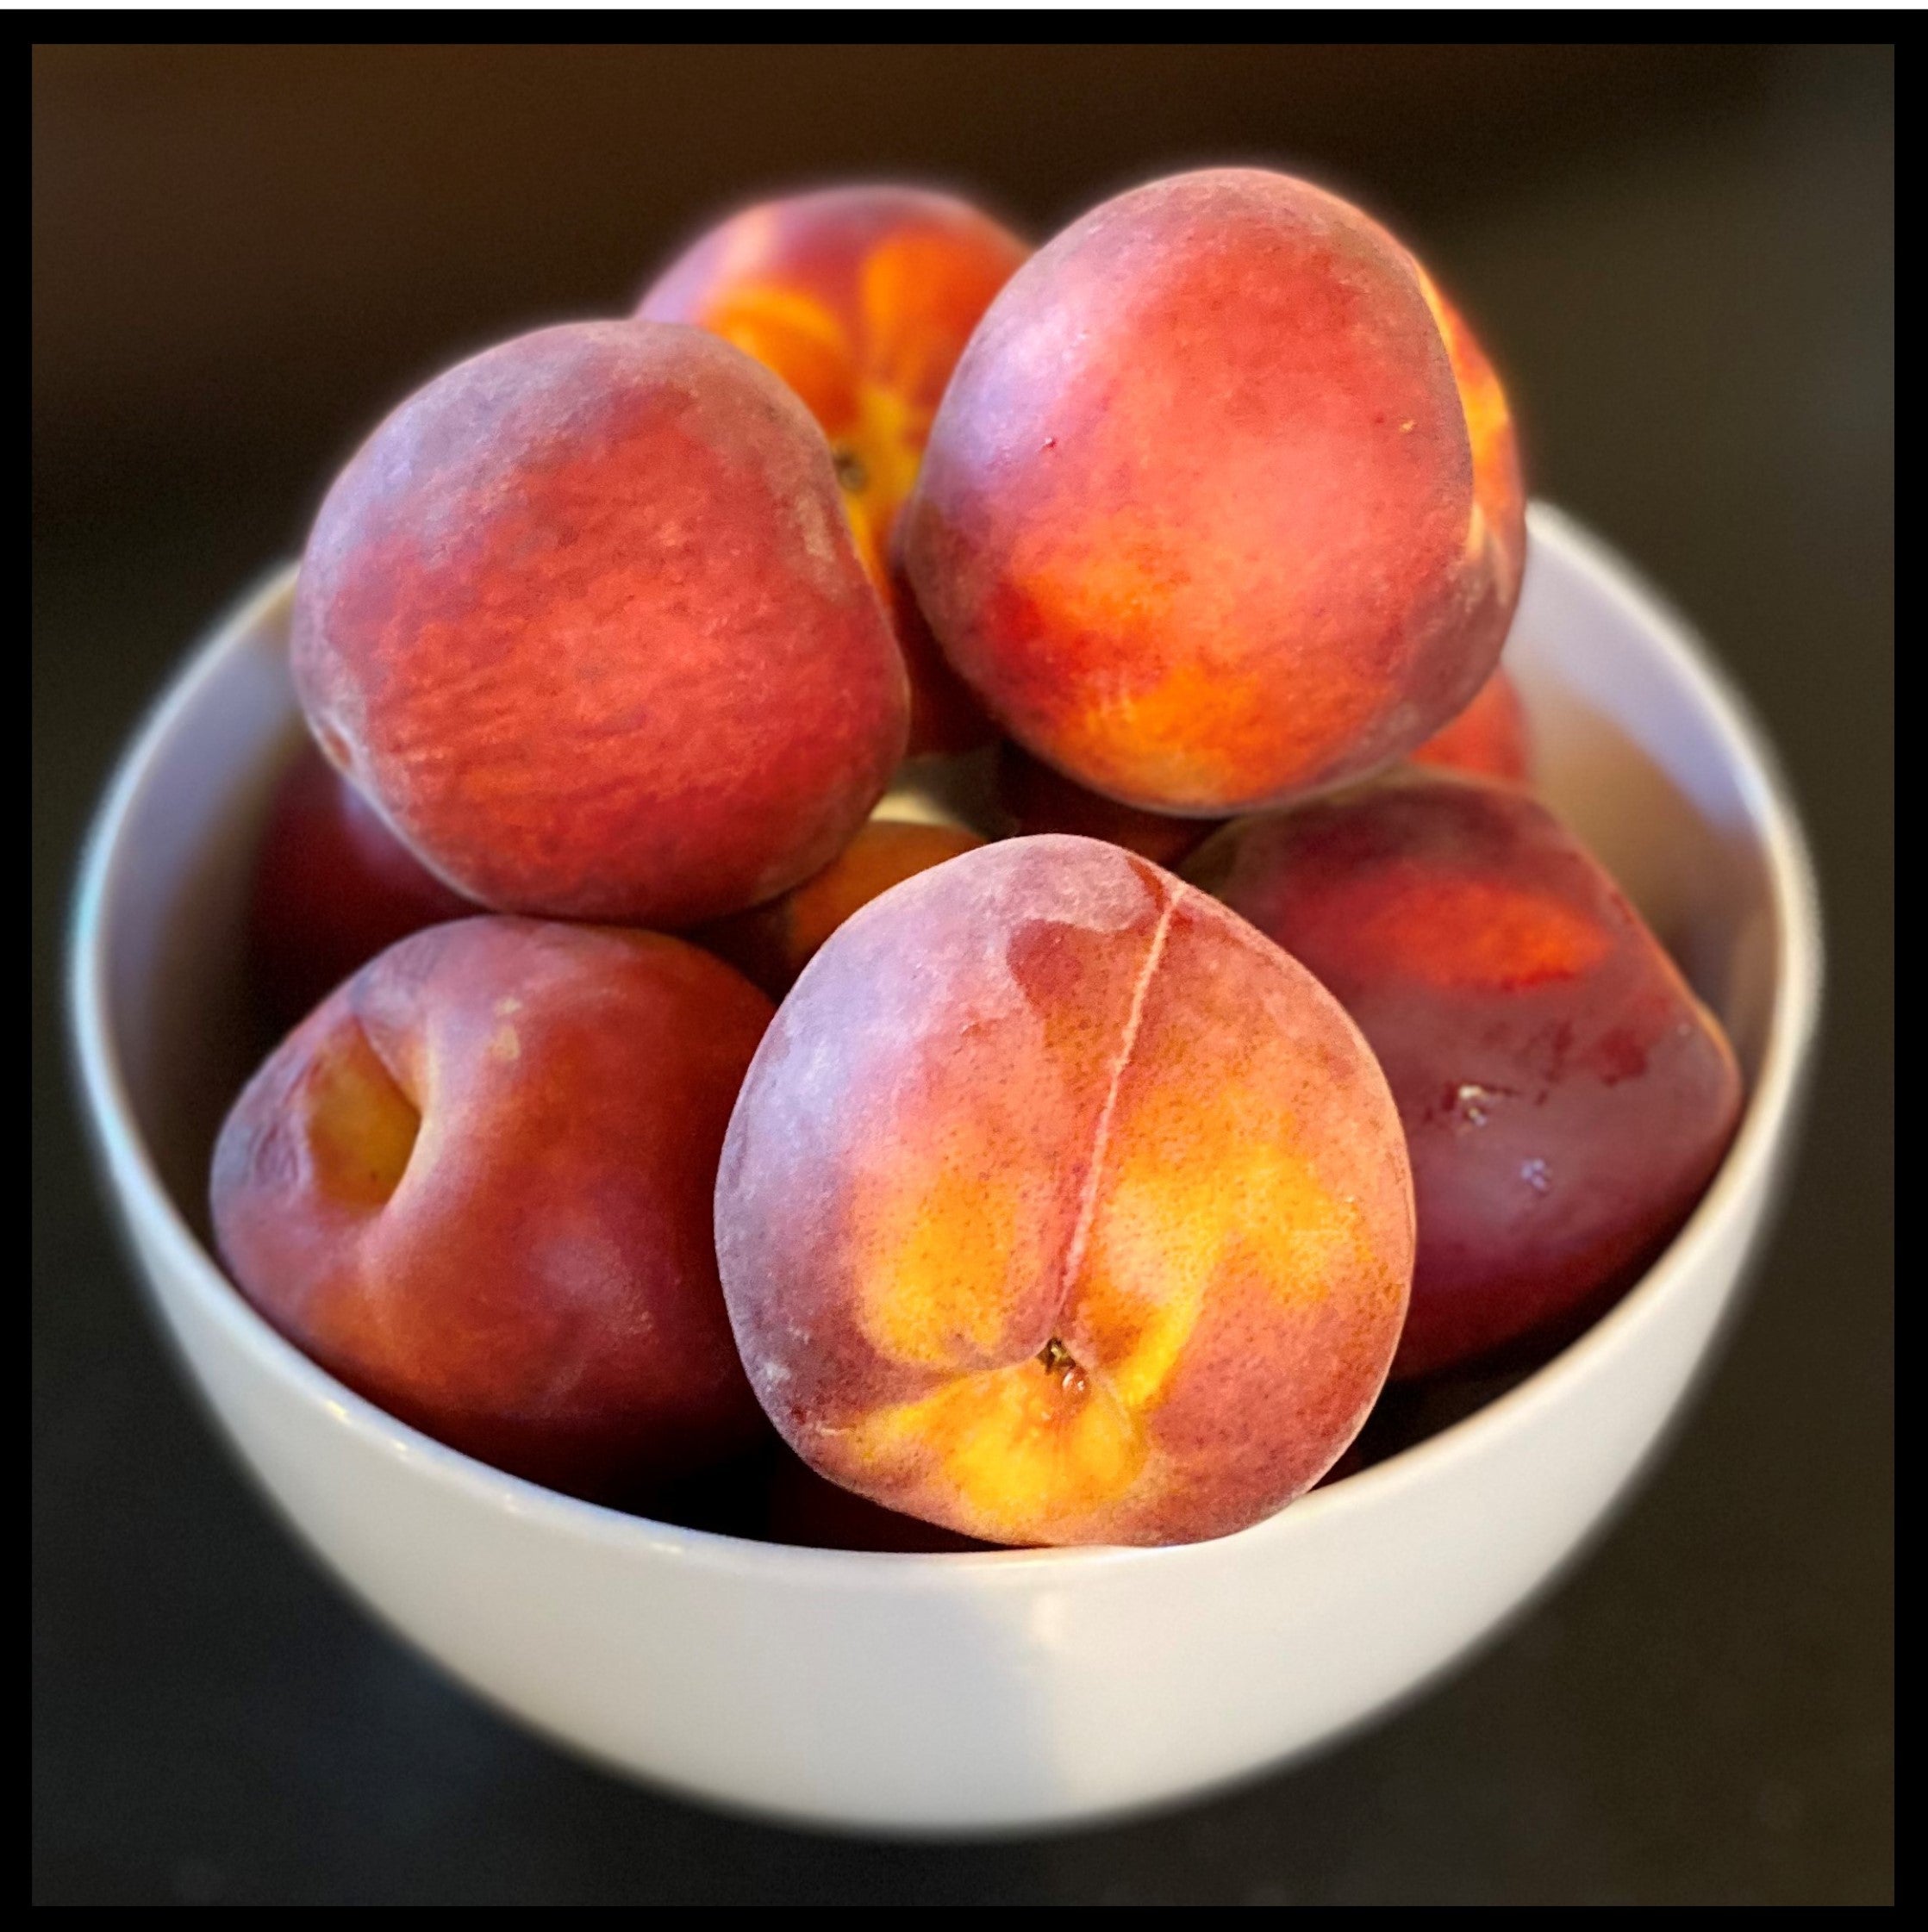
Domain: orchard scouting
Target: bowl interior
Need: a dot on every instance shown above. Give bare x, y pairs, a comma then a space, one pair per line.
1640, 747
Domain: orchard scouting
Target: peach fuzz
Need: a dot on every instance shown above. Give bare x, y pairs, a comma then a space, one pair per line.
583, 620
862, 299
1036, 799
475, 1185
773, 943
1566, 1097
333, 887
1061, 1206
1221, 505
1488, 740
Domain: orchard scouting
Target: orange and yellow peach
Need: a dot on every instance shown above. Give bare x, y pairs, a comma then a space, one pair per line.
773, 943
1060, 1206
862, 299
584, 620
1566, 1097
1488, 740
475, 1184
1222, 503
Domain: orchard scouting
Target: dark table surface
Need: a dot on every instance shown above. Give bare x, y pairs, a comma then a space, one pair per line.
1684, 259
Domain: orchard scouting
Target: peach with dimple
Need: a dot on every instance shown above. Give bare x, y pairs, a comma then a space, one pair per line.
584, 620
1061, 1206
1222, 503
475, 1185
773, 944
1565, 1096
862, 299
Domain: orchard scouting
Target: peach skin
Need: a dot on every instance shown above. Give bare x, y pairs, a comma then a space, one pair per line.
1566, 1098
333, 887
1499, 519
584, 620
1061, 1206
475, 1185
773, 943
1488, 740
1221, 505
1038, 799
862, 299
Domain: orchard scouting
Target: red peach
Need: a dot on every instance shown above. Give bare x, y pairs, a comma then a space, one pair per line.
1038, 799
946, 719
1488, 740
773, 943
333, 887
1060, 1207
862, 299
584, 619
1565, 1096
1207, 518
475, 1185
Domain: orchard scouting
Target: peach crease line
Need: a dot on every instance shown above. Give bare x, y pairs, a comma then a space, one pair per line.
1100, 1138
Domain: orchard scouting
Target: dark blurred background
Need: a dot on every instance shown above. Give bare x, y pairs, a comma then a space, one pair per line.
1682, 259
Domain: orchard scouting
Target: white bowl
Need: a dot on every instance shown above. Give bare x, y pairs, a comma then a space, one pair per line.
947, 1693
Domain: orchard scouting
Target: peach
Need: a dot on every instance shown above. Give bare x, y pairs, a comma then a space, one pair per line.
773, 944
333, 887
1488, 740
862, 299
1061, 1206
583, 620
1222, 503
946, 719
1038, 799
1566, 1097
475, 1185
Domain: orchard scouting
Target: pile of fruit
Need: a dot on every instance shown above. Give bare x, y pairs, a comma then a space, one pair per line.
1087, 1183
